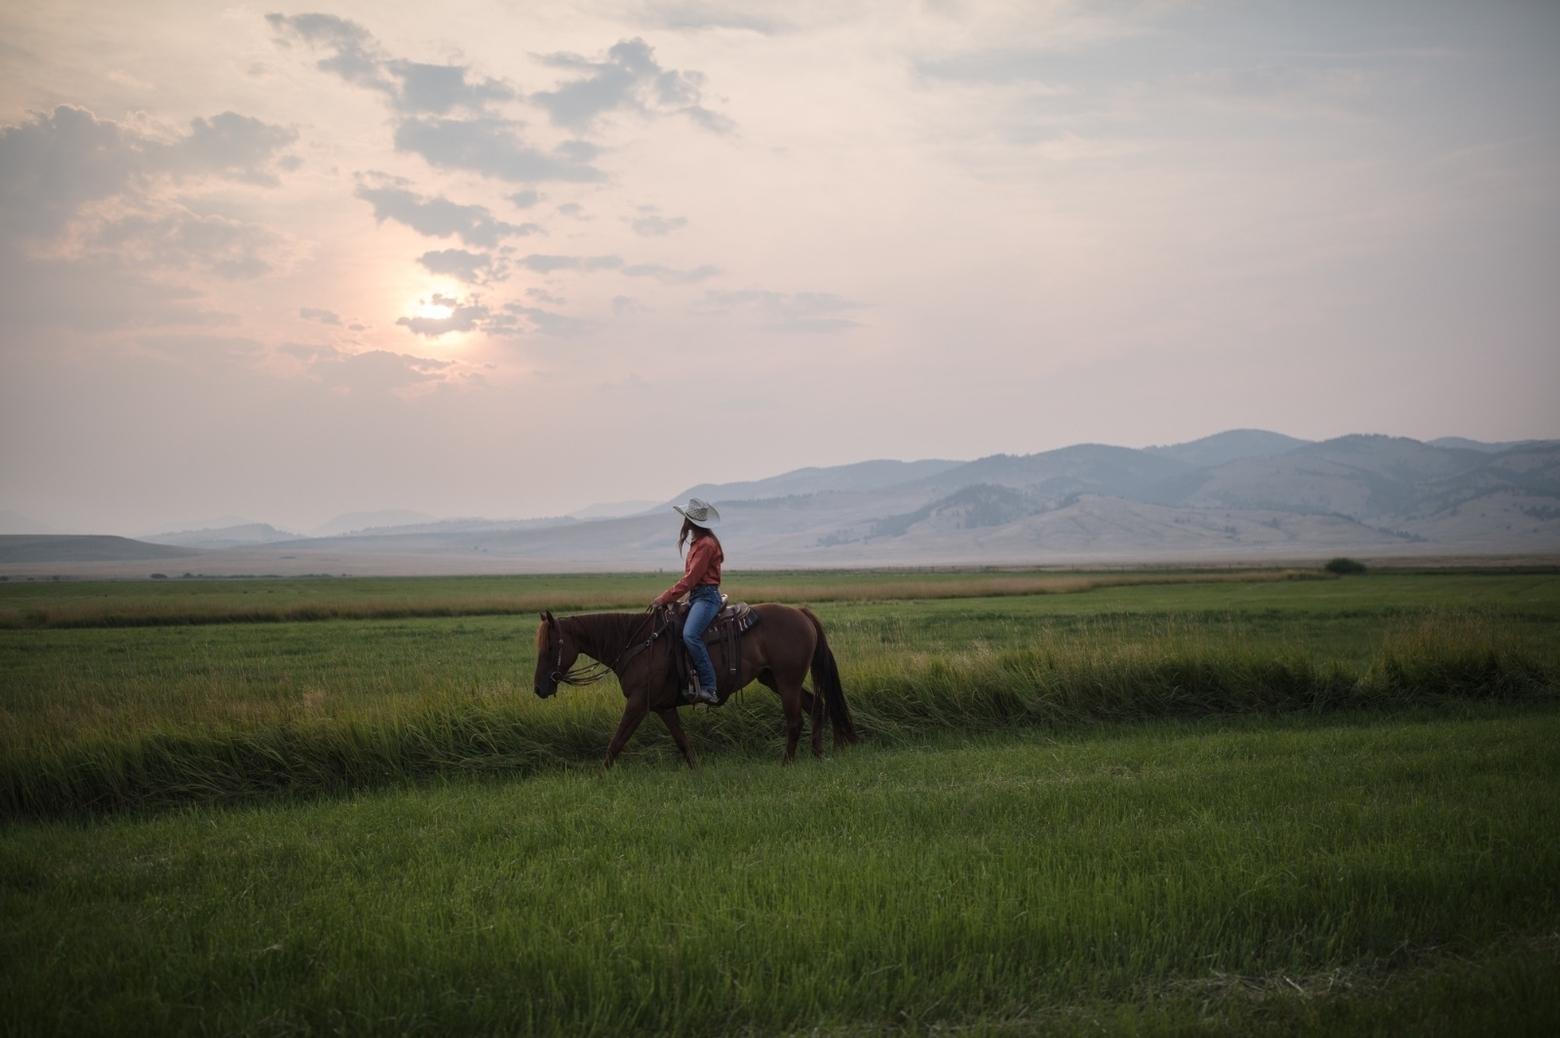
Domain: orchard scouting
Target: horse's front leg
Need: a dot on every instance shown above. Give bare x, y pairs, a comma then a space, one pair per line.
633, 713
673, 725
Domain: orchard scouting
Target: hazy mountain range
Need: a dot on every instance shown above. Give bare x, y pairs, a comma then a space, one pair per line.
1245, 494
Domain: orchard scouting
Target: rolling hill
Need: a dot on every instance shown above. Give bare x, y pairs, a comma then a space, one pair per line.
23, 549
1241, 495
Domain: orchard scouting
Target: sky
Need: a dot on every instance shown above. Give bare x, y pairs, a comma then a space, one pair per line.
506, 260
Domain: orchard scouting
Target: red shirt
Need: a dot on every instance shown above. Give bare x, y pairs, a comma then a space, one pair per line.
702, 567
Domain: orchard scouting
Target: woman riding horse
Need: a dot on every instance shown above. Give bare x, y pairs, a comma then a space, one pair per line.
701, 583
777, 651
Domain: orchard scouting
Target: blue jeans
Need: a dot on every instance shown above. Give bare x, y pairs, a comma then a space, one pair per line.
703, 604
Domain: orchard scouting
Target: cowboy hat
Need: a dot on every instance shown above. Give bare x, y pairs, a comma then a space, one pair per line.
699, 513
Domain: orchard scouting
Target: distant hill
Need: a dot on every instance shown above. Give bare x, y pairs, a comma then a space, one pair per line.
1243, 495
352, 521
1054, 475
861, 475
1229, 446
444, 527
613, 509
53, 548
224, 537
1490, 448
1358, 476
220, 522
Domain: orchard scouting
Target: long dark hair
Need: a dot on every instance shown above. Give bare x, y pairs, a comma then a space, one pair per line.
693, 529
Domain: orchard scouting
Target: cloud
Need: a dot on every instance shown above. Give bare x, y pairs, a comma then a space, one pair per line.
462, 317
379, 371
440, 88
629, 79
426, 95
368, 372
525, 199
573, 209
354, 55
492, 147
651, 224
234, 146
542, 322
314, 313
53, 164
714, 122
438, 217
700, 16
306, 351
470, 267
670, 275
796, 312
410, 86
179, 238
542, 263
624, 306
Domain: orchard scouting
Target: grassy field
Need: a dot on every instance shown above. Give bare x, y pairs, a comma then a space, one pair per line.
1230, 801
1318, 874
124, 603
95, 718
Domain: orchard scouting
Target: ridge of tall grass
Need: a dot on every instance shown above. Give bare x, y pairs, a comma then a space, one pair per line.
161, 611
895, 696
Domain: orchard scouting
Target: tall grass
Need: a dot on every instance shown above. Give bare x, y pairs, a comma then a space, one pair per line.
300, 749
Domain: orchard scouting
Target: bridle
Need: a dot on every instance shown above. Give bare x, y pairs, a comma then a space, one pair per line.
593, 672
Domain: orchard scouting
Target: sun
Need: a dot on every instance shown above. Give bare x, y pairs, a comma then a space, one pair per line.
434, 311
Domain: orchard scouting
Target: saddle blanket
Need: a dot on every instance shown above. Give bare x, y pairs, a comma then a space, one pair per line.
738, 615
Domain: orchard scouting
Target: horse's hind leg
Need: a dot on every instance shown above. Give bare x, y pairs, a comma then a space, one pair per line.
674, 725
766, 678
791, 700
814, 721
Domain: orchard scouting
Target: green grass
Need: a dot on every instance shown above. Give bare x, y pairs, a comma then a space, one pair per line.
1327, 875
105, 603
95, 719
1218, 801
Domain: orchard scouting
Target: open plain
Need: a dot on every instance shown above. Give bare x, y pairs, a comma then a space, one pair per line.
1146, 802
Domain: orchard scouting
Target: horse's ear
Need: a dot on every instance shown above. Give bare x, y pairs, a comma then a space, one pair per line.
547, 616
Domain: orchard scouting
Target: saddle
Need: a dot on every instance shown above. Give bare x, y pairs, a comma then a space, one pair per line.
723, 635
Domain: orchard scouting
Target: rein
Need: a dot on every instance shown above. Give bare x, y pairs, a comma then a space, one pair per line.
593, 672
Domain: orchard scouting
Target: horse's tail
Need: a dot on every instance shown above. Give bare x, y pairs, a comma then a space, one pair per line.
826, 683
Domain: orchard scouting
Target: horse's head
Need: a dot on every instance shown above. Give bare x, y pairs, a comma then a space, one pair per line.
555, 655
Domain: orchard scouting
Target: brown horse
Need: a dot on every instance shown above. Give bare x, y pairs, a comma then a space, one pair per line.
637, 647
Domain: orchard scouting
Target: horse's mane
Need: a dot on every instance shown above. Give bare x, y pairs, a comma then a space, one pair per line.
608, 633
